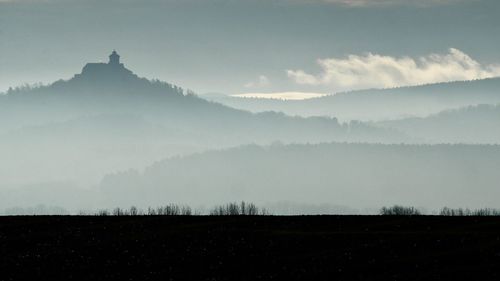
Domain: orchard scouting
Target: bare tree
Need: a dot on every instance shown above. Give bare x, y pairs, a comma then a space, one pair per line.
397, 210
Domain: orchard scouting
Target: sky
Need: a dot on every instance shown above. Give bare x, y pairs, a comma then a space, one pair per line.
254, 46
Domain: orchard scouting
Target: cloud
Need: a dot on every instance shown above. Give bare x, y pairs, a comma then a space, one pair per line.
378, 71
262, 81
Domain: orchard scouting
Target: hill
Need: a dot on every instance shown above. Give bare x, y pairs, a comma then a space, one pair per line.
112, 89
354, 175
472, 124
107, 118
381, 104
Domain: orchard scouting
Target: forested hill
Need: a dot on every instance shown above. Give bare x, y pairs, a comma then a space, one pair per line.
107, 118
382, 104
104, 89
356, 175
472, 124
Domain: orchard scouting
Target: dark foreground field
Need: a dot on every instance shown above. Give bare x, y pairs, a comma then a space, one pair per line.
250, 248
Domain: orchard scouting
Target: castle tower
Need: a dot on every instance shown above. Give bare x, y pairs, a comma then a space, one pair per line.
114, 58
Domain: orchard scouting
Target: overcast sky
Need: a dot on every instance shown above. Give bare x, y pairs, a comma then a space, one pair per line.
249, 46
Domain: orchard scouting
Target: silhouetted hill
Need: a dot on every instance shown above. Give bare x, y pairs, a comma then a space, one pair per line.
472, 124
380, 104
355, 175
106, 118
105, 89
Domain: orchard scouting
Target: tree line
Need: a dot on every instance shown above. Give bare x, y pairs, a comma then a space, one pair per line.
398, 210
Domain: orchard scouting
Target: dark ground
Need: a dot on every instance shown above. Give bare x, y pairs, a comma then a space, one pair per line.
250, 248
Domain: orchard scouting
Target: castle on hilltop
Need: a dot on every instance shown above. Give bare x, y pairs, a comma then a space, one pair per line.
114, 59
114, 68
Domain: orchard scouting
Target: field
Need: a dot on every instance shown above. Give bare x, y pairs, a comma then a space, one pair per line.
249, 248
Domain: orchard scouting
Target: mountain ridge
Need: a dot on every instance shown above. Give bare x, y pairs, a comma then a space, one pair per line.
381, 104
110, 88
471, 124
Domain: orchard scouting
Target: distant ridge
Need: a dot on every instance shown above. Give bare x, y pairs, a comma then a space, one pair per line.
383, 104
111, 88
107, 119
472, 124
351, 174
455, 88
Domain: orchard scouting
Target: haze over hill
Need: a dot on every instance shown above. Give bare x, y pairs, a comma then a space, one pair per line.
473, 124
107, 137
107, 119
110, 88
85, 142
381, 104
356, 175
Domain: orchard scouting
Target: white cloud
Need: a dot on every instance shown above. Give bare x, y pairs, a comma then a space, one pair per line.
261, 81
378, 71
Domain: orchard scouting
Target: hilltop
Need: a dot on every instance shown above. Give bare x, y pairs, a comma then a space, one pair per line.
381, 104
471, 124
111, 88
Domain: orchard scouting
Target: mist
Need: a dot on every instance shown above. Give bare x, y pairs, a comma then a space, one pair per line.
373, 105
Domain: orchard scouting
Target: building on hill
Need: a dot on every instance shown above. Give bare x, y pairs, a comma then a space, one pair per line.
114, 58
106, 71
